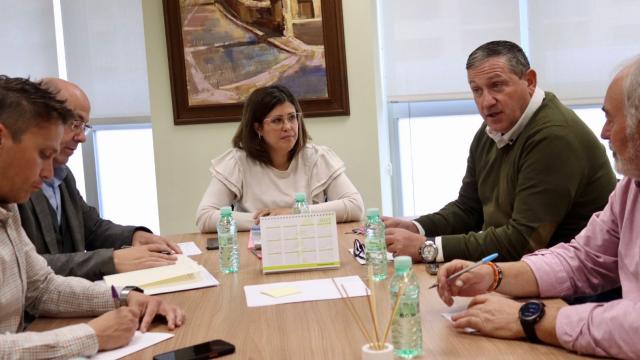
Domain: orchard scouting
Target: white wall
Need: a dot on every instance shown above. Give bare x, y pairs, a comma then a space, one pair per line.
183, 153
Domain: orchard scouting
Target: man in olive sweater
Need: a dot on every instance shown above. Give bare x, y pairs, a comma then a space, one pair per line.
535, 172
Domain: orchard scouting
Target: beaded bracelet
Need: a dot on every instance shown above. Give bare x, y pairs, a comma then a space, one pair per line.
497, 276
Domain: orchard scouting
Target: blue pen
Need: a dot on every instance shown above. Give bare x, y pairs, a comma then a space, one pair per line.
456, 275
115, 296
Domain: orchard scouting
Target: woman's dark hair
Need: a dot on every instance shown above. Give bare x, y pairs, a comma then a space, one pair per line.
259, 104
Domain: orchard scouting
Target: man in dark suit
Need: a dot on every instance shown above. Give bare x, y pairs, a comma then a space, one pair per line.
68, 232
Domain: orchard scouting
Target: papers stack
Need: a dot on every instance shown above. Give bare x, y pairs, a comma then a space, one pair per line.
185, 274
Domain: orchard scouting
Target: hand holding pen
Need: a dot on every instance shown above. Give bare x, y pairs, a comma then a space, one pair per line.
464, 278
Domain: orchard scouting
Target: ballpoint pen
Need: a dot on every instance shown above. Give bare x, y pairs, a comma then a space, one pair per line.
456, 275
115, 296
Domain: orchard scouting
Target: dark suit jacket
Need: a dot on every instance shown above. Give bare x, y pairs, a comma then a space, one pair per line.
86, 231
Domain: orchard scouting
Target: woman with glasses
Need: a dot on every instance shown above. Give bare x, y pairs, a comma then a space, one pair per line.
270, 161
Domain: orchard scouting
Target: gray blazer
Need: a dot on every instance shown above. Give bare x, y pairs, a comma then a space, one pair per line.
86, 231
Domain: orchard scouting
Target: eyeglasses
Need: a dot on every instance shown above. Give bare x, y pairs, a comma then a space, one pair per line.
279, 120
358, 249
80, 126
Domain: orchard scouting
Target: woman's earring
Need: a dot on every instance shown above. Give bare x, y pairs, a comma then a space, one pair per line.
259, 136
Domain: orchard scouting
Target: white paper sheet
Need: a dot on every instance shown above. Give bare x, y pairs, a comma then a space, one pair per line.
363, 261
448, 316
140, 341
190, 248
310, 290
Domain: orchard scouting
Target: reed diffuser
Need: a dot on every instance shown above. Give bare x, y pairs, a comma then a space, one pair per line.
375, 339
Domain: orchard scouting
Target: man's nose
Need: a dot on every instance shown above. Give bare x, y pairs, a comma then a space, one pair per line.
606, 131
487, 100
46, 172
80, 137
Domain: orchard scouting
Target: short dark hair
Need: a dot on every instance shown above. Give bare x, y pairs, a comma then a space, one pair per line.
259, 104
25, 104
516, 58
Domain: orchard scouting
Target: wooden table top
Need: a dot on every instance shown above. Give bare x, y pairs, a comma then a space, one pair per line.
309, 330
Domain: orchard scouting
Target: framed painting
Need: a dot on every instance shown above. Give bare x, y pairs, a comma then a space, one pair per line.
221, 50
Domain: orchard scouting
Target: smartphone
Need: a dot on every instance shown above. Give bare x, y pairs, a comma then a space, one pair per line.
212, 243
207, 350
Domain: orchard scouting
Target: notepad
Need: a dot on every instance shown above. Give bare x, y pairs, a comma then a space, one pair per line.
299, 242
280, 292
185, 274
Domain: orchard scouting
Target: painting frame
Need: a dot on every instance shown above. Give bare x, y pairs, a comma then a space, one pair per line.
335, 104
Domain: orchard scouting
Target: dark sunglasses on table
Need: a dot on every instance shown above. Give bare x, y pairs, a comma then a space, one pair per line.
358, 249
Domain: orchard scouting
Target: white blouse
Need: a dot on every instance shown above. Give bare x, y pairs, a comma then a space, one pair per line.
251, 186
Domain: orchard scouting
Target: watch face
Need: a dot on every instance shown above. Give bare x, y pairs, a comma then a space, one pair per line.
531, 310
429, 253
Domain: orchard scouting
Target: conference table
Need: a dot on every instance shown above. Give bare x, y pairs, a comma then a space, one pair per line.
310, 330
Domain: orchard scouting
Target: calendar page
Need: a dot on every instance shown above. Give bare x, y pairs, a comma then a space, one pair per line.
299, 242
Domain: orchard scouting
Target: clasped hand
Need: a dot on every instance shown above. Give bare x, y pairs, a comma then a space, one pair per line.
490, 314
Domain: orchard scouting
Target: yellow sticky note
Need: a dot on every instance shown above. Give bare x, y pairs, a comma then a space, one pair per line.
280, 292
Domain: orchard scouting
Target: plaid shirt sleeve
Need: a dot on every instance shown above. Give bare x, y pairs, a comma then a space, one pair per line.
58, 296
63, 343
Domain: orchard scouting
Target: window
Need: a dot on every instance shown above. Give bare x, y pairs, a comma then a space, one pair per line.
98, 45
425, 44
126, 168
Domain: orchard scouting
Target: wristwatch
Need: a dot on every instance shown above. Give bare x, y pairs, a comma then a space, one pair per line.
429, 253
124, 293
530, 314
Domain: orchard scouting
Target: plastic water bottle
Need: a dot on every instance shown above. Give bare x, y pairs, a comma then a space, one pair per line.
228, 242
300, 206
406, 329
375, 246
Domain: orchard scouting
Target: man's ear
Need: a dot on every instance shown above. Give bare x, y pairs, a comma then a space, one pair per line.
531, 77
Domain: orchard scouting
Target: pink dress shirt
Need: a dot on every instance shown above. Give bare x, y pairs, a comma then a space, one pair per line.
604, 255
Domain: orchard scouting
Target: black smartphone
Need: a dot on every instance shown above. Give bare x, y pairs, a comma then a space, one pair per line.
212, 243
207, 350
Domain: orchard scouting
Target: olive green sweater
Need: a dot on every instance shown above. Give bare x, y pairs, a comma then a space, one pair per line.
534, 193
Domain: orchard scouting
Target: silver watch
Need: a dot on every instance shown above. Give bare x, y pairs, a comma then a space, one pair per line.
429, 251
124, 293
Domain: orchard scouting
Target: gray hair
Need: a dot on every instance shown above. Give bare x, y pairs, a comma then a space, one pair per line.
632, 97
516, 59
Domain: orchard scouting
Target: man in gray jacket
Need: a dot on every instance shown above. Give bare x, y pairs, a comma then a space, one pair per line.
69, 233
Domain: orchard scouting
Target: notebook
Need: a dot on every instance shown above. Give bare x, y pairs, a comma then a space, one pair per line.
185, 274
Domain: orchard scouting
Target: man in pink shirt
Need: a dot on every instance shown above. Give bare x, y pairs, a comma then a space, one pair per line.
606, 254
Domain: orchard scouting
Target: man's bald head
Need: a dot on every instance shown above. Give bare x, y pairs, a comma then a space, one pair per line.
78, 102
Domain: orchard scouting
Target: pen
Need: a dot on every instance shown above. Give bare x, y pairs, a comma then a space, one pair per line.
456, 275
115, 296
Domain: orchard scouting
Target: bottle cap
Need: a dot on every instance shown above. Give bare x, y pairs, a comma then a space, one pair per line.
225, 211
300, 196
373, 212
402, 264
